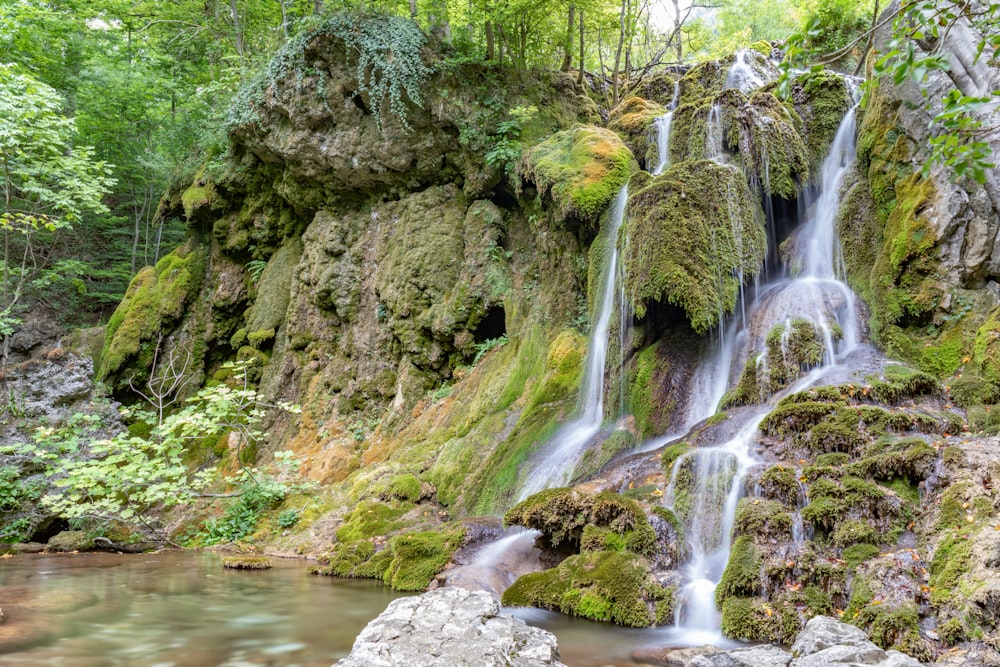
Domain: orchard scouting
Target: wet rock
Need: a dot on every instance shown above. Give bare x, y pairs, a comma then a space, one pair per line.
671, 657
451, 627
826, 642
70, 540
756, 656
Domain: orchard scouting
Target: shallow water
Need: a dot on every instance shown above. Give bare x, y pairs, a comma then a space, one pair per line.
182, 609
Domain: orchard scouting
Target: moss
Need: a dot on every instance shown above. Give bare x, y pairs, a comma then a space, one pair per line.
597, 457
345, 558
762, 518
953, 631
790, 350
910, 458
582, 169
986, 350
601, 539
970, 390
753, 619
260, 338
856, 554
669, 455
562, 514
894, 627
153, 304
821, 99
742, 574
247, 562
952, 559
405, 487
633, 119
854, 531
770, 145
599, 585
418, 557
689, 246
780, 483
648, 371
370, 518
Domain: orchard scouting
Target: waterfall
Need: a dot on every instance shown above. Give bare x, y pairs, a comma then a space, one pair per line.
741, 75
713, 135
663, 134
715, 475
554, 465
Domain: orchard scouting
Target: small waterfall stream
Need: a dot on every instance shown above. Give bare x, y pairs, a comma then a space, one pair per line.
554, 465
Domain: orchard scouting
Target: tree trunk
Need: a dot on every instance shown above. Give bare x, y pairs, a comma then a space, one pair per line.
618, 56
490, 43
579, 76
413, 9
238, 29
677, 32
568, 43
317, 7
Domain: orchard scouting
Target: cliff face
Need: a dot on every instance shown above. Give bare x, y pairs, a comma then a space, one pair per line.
368, 263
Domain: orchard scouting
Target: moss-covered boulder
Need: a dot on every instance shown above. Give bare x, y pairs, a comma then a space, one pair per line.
694, 235
634, 121
153, 304
408, 562
581, 169
821, 99
563, 514
791, 349
610, 586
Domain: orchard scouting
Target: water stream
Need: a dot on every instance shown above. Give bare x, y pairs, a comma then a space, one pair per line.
818, 294
555, 463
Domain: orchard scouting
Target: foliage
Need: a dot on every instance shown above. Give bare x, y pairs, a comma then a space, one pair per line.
388, 65
914, 50
126, 476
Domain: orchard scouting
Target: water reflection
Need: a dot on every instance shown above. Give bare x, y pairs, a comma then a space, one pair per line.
181, 609
176, 610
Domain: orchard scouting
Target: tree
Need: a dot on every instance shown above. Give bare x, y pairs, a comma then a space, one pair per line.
917, 46
47, 181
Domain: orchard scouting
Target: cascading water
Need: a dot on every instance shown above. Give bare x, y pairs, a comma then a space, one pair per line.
555, 464
663, 135
741, 75
706, 483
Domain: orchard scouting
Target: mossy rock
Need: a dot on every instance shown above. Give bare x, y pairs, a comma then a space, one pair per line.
371, 518
659, 89
766, 134
599, 585
247, 563
753, 619
741, 577
634, 120
70, 540
562, 514
649, 372
689, 246
274, 288
154, 303
791, 350
582, 169
766, 519
821, 100
405, 487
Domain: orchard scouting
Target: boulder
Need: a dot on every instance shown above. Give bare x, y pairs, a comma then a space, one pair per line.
755, 656
451, 627
826, 642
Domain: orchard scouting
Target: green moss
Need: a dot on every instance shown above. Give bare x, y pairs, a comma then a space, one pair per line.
742, 574
790, 350
633, 120
894, 627
597, 457
418, 557
599, 585
970, 390
582, 169
986, 350
370, 518
821, 99
648, 371
753, 619
669, 455
155, 301
562, 514
854, 531
601, 539
405, 487
770, 144
260, 338
762, 518
694, 234
952, 559
780, 483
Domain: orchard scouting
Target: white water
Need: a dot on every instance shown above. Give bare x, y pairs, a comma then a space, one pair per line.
554, 466
741, 75
663, 135
719, 471
713, 135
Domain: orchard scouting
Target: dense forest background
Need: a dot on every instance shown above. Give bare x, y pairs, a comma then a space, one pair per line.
106, 103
